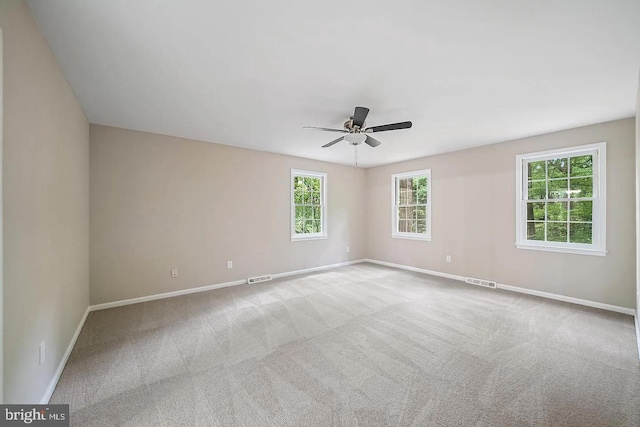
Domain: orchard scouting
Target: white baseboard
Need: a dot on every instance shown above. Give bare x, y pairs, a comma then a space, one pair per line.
56, 376
211, 287
165, 295
594, 304
312, 269
609, 307
418, 270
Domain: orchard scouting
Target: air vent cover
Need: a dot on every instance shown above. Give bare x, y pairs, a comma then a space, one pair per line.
480, 282
258, 279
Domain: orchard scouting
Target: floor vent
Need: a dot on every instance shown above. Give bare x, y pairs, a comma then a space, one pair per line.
480, 282
258, 279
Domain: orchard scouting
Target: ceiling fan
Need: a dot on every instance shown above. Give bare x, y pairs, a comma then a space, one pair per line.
356, 129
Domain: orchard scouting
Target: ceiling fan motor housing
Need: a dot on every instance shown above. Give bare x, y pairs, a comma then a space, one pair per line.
348, 125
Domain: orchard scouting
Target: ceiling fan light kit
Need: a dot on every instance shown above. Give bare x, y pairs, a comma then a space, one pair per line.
355, 138
356, 130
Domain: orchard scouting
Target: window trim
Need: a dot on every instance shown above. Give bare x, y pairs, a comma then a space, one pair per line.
598, 247
394, 220
323, 205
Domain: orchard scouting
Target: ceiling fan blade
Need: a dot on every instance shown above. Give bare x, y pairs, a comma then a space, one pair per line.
326, 129
335, 141
392, 126
359, 116
372, 142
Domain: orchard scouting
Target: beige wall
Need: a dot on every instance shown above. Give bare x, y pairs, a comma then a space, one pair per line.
159, 202
46, 207
473, 196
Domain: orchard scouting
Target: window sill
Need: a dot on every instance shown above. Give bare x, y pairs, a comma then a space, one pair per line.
576, 251
311, 237
411, 237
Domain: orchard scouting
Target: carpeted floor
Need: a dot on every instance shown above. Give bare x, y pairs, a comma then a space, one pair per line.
360, 345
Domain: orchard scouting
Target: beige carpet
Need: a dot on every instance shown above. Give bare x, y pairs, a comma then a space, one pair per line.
358, 346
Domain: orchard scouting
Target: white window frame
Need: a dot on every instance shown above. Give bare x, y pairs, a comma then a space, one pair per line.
599, 220
395, 178
323, 205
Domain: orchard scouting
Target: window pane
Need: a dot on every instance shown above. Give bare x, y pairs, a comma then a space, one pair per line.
558, 168
299, 212
404, 197
317, 226
315, 198
535, 211
582, 165
537, 190
558, 189
411, 226
557, 232
402, 213
535, 170
582, 187
422, 226
535, 230
405, 184
581, 211
317, 213
308, 212
421, 212
421, 196
312, 184
308, 226
299, 225
420, 184
402, 226
411, 197
557, 211
411, 212
297, 196
581, 233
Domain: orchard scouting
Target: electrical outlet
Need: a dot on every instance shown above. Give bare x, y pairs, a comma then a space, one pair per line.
448, 258
42, 354
229, 264
174, 273
347, 249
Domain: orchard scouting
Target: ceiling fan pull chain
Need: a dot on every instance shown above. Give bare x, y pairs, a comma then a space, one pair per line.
355, 147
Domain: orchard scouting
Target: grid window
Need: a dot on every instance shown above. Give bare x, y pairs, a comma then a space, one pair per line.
411, 205
561, 197
308, 207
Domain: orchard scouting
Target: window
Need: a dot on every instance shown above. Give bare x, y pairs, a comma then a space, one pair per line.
561, 200
308, 205
411, 205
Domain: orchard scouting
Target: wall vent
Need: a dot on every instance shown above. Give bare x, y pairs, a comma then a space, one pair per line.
480, 282
258, 279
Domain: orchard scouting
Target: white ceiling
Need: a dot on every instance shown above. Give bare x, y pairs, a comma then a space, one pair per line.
252, 73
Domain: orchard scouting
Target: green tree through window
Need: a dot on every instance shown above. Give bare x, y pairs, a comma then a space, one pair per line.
562, 200
411, 212
308, 204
